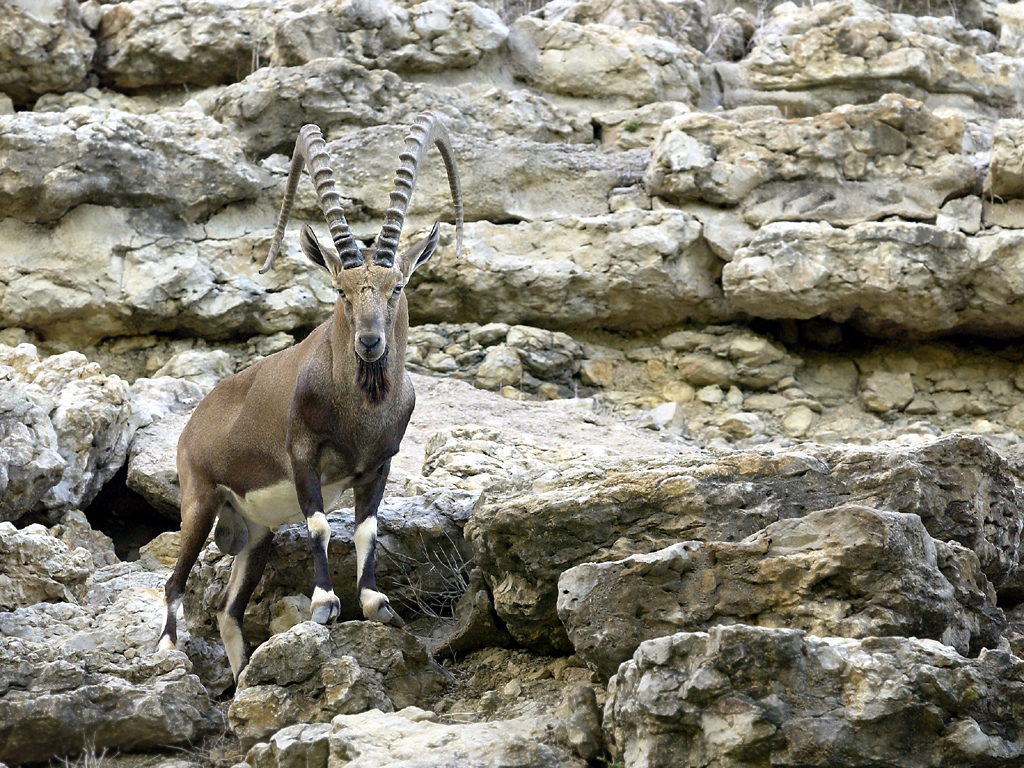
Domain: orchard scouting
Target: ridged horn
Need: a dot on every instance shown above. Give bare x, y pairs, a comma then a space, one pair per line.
311, 151
428, 129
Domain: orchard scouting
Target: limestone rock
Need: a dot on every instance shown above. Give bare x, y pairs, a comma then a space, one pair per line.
44, 48
204, 42
1007, 215
1006, 168
473, 457
808, 699
608, 509
724, 357
629, 66
377, 738
637, 128
681, 20
844, 572
419, 542
1011, 29
266, 110
809, 60
36, 567
165, 405
1014, 632
165, 42
145, 580
627, 270
191, 279
64, 432
876, 275
884, 391
846, 166
177, 279
501, 367
963, 213
311, 673
75, 677
437, 36
198, 366
55, 161
76, 532
506, 179
305, 744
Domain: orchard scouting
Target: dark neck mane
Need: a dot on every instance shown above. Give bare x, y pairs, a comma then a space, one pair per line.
373, 378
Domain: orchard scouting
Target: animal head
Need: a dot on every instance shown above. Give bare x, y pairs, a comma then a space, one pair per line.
371, 295
370, 282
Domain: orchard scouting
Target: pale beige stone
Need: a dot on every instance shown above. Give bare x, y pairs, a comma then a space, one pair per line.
883, 391
846, 166
45, 48
809, 60
597, 61
650, 706
678, 391
1006, 168
798, 421
1011, 28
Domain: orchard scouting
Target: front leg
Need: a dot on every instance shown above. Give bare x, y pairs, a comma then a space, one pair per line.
374, 605
325, 604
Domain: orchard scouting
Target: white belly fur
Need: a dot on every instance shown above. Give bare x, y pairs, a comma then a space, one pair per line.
278, 504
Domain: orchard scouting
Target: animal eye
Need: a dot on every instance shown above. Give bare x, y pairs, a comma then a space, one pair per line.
398, 290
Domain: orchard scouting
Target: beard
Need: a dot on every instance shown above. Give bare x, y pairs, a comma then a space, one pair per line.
373, 378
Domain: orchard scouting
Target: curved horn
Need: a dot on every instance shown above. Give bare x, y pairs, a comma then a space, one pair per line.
311, 150
427, 130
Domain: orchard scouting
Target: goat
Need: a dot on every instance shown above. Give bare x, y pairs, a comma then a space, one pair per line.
268, 444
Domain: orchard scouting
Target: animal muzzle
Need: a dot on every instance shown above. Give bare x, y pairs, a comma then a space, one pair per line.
370, 346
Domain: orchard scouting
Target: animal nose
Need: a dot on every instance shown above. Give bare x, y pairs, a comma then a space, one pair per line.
369, 343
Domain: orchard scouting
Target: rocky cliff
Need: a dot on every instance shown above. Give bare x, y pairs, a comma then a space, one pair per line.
717, 453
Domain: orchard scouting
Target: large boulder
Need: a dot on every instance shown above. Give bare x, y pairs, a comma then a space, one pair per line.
808, 60
37, 567
106, 271
65, 429
886, 277
627, 270
625, 66
84, 676
414, 37
52, 162
165, 405
767, 696
940, 280
680, 20
853, 164
148, 43
412, 735
44, 48
844, 572
311, 673
608, 509
166, 42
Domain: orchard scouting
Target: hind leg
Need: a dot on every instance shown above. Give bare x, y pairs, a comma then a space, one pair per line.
200, 504
246, 571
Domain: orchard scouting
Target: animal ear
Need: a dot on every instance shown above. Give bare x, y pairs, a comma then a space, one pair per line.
311, 247
421, 251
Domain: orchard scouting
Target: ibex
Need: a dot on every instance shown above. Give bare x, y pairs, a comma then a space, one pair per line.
267, 445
